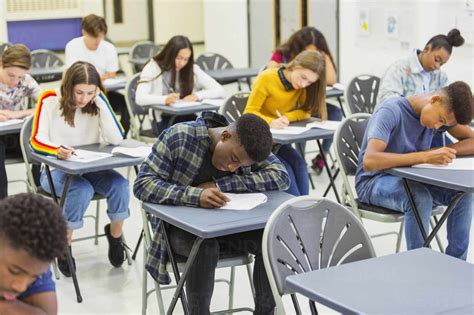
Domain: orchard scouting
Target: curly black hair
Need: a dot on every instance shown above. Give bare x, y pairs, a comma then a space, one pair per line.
35, 224
460, 101
255, 136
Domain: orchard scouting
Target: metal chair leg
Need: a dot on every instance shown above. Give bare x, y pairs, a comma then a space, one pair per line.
97, 208
231, 288
400, 236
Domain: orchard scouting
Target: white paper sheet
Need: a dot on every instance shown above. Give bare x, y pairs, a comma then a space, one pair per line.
244, 201
181, 104
85, 156
114, 81
142, 151
327, 124
11, 122
464, 164
290, 130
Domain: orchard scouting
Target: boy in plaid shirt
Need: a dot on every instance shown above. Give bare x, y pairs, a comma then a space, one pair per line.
192, 164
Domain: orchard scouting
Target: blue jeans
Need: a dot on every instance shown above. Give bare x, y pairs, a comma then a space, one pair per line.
388, 192
81, 190
297, 170
334, 113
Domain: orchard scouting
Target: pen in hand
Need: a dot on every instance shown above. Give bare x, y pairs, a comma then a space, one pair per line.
444, 138
68, 148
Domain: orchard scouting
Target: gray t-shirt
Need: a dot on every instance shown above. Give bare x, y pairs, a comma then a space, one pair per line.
395, 123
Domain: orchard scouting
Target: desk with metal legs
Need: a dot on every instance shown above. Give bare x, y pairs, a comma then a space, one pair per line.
77, 168
209, 223
420, 281
458, 180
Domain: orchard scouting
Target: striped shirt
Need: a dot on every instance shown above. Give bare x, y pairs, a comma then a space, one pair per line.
165, 177
50, 130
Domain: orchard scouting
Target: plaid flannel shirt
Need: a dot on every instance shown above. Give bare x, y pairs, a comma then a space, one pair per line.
165, 177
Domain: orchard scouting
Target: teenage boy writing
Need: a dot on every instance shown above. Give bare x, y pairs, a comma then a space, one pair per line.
400, 133
193, 164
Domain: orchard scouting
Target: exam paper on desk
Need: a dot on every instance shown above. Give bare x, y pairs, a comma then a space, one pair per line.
244, 201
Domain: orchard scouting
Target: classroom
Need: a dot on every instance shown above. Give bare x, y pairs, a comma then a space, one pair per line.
236, 156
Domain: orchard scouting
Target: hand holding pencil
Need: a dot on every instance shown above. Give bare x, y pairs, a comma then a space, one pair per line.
281, 122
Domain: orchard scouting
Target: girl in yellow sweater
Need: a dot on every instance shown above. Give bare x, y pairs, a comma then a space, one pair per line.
287, 94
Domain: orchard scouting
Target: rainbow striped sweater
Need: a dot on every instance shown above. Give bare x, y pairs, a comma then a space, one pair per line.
50, 130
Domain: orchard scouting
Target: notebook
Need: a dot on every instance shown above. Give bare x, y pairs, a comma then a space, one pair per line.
464, 164
326, 124
290, 130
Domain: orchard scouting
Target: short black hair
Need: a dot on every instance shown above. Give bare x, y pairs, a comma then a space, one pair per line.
35, 224
255, 136
453, 39
460, 101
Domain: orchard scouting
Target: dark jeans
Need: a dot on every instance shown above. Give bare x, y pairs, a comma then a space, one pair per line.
10, 148
200, 281
296, 168
334, 113
117, 101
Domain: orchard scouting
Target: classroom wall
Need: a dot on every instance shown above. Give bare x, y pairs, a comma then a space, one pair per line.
226, 29
178, 17
3, 24
135, 21
374, 51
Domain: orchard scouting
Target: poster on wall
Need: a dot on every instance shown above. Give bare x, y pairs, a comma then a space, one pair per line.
364, 22
391, 24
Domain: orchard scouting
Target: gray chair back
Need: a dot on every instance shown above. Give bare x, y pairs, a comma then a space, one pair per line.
348, 140
235, 105
305, 234
43, 58
145, 49
213, 61
361, 95
25, 135
3, 47
130, 93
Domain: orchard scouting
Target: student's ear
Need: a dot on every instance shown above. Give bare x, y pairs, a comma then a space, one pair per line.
83, 32
436, 99
225, 135
97, 91
427, 49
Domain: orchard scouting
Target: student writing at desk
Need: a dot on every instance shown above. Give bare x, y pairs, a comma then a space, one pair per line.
309, 38
172, 76
78, 114
420, 72
399, 133
291, 93
32, 235
192, 164
15, 85
92, 48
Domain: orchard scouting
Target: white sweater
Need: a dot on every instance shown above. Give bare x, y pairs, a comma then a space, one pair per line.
151, 93
52, 130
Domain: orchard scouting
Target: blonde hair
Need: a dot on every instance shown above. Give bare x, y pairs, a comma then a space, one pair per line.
17, 56
316, 92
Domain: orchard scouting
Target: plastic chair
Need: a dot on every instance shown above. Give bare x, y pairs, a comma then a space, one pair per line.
214, 61
3, 47
234, 106
137, 113
347, 144
231, 262
305, 234
25, 135
46, 59
361, 95
143, 50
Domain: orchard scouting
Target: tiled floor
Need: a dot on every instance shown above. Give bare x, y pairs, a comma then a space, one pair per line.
118, 290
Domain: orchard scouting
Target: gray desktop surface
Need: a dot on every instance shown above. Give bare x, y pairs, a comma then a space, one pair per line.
10, 129
77, 168
420, 281
209, 223
312, 134
333, 92
177, 111
232, 74
460, 180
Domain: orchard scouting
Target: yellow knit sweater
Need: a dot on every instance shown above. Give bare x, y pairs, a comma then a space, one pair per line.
269, 96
